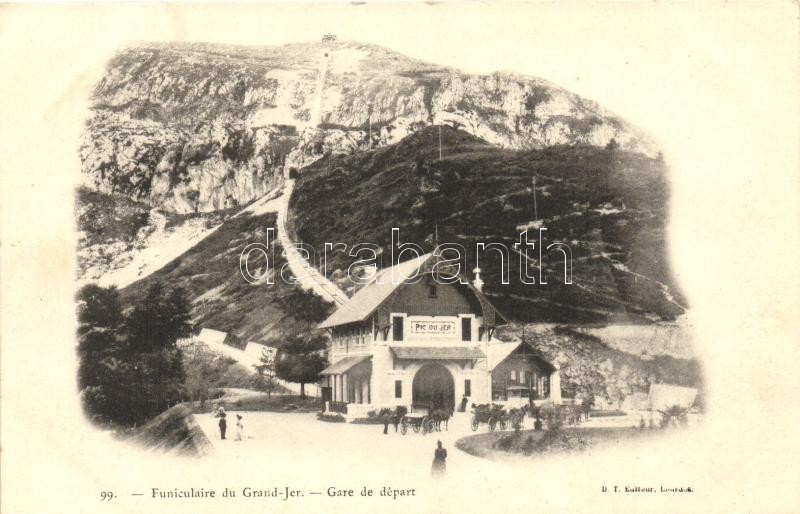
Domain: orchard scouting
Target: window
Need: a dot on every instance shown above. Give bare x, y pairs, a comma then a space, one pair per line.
466, 329
397, 328
467, 387
398, 388
513, 375
432, 291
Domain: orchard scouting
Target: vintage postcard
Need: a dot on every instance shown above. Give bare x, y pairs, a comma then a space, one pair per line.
400, 257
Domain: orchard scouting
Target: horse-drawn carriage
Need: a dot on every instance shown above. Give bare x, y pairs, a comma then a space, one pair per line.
435, 420
418, 422
494, 415
489, 413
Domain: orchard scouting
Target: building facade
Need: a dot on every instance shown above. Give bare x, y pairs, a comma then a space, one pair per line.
404, 339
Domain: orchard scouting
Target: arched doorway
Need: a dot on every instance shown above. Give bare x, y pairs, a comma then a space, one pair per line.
433, 386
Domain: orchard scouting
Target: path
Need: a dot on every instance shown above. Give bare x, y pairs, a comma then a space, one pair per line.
308, 276
305, 442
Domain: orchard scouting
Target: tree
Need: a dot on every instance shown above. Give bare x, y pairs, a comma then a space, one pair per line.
265, 373
98, 308
159, 319
202, 368
157, 377
301, 358
99, 323
130, 369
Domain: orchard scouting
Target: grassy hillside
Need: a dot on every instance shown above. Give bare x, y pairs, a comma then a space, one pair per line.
221, 297
609, 206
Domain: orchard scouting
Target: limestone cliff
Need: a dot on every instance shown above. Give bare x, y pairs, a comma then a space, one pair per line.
199, 127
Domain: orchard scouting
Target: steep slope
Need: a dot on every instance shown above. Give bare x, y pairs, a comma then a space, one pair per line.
121, 240
222, 299
199, 127
608, 205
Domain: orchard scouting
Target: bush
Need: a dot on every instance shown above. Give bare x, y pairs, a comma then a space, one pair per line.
557, 441
606, 413
506, 442
674, 415
262, 402
374, 417
553, 417
331, 418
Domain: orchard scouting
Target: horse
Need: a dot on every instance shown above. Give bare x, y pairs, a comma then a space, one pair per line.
398, 415
440, 416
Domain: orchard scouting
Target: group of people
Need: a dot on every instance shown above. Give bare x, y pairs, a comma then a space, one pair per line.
223, 424
438, 467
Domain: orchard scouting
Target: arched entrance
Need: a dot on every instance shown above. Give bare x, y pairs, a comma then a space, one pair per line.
433, 386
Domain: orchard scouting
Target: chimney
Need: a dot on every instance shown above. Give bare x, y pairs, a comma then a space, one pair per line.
478, 283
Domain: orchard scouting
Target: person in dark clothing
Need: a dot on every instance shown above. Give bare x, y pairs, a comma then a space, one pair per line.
439, 465
223, 425
386, 414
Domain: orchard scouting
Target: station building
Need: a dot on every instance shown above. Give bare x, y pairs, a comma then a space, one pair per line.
417, 343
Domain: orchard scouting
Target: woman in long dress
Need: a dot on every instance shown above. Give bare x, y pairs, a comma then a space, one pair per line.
439, 465
239, 428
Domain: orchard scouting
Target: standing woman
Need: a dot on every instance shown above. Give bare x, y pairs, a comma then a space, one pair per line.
239, 428
439, 465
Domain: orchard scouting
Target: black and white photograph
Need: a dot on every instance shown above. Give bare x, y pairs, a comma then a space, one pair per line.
416, 257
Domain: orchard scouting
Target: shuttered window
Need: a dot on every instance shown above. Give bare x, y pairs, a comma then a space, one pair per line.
466, 329
397, 328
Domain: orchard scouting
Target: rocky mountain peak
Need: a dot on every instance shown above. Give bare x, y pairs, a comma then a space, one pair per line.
199, 127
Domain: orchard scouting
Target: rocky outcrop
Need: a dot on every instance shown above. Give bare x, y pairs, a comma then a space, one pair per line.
195, 127
592, 368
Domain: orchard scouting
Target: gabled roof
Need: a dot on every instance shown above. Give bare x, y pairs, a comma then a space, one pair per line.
344, 365
370, 296
498, 352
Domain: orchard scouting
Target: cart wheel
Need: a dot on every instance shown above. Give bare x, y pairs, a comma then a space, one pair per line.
404, 427
503, 424
425, 425
492, 424
474, 423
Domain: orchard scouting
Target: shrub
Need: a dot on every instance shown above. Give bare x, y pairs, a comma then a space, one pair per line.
607, 413
530, 444
331, 418
373, 417
553, 417
505, 442
674, 415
